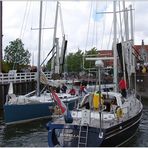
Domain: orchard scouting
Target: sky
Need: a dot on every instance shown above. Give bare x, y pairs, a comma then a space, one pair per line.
83, 25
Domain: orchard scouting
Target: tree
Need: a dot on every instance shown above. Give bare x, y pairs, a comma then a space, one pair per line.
16, 54
94, 53
74, 61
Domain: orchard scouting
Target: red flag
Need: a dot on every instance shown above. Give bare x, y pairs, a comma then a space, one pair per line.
59, 102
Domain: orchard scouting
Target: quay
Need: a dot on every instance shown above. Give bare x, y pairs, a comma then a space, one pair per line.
23, 83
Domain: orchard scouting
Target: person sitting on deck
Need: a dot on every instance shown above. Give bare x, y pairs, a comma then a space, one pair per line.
72, 91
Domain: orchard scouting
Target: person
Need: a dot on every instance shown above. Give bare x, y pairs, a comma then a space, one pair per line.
72, 91
82, 89
123, 87
63, 88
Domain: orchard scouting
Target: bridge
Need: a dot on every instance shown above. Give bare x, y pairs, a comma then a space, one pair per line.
12, 76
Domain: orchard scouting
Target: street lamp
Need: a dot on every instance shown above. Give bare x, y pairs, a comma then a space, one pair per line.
99, 64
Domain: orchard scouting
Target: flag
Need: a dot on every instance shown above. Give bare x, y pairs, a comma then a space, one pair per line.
59, 102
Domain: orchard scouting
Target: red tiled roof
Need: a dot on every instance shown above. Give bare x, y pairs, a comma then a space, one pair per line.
103, 53
138, 47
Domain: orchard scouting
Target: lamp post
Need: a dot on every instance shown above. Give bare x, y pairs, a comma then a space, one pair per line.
99, 64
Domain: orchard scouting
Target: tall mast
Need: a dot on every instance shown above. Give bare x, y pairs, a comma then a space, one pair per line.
1, 53
54, 37
114, 48
39, 51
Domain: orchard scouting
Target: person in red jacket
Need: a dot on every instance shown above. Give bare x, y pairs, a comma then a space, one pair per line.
123, 87
72, 91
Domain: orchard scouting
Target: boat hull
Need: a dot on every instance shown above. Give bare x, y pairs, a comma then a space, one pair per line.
19, 113
68, 135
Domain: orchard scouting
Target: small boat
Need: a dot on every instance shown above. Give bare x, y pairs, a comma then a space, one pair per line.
29, 107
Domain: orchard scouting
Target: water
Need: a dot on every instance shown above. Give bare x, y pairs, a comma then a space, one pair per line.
34, 134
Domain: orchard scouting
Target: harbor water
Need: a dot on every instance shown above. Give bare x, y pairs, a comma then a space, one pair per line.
34, 134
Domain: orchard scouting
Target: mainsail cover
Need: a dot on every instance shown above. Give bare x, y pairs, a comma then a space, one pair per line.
120, 54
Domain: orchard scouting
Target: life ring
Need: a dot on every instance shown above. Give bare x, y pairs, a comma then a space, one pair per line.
119, 112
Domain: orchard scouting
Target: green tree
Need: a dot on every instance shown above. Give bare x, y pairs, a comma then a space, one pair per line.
94, 53
16, 54
75, 61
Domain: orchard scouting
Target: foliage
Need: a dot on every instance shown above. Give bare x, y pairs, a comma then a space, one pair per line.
16, 54
94, 53
75, 61
6, 67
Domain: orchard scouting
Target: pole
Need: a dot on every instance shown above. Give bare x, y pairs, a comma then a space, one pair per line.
115, 48
39, 51
1, 53
100, 105
54, 37
132, 38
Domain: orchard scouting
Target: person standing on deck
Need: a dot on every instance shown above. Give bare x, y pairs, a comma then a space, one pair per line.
123, 87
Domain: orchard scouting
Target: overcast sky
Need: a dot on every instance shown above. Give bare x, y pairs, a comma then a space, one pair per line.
83, 26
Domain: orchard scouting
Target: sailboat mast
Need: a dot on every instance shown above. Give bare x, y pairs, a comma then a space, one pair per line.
132, 38
54, 37
39, 51
114, 48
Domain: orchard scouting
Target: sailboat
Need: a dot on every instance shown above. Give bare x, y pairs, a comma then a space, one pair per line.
101, 119
35, 105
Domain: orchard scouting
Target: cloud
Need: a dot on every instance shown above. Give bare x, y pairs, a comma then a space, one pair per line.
82, 31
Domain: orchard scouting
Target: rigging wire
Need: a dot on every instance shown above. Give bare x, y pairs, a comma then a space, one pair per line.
110, 36
24, 18
27, 16
16, 57
93, 31
88, 25
104, 23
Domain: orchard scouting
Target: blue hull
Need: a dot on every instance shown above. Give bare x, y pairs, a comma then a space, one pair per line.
24, 113
68, 136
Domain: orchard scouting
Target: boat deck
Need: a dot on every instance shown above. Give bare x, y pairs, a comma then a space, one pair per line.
109, 118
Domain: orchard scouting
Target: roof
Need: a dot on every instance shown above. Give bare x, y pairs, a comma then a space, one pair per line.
138, 47
103, 53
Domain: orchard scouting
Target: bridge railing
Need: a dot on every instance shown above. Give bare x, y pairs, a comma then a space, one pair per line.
20, 77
